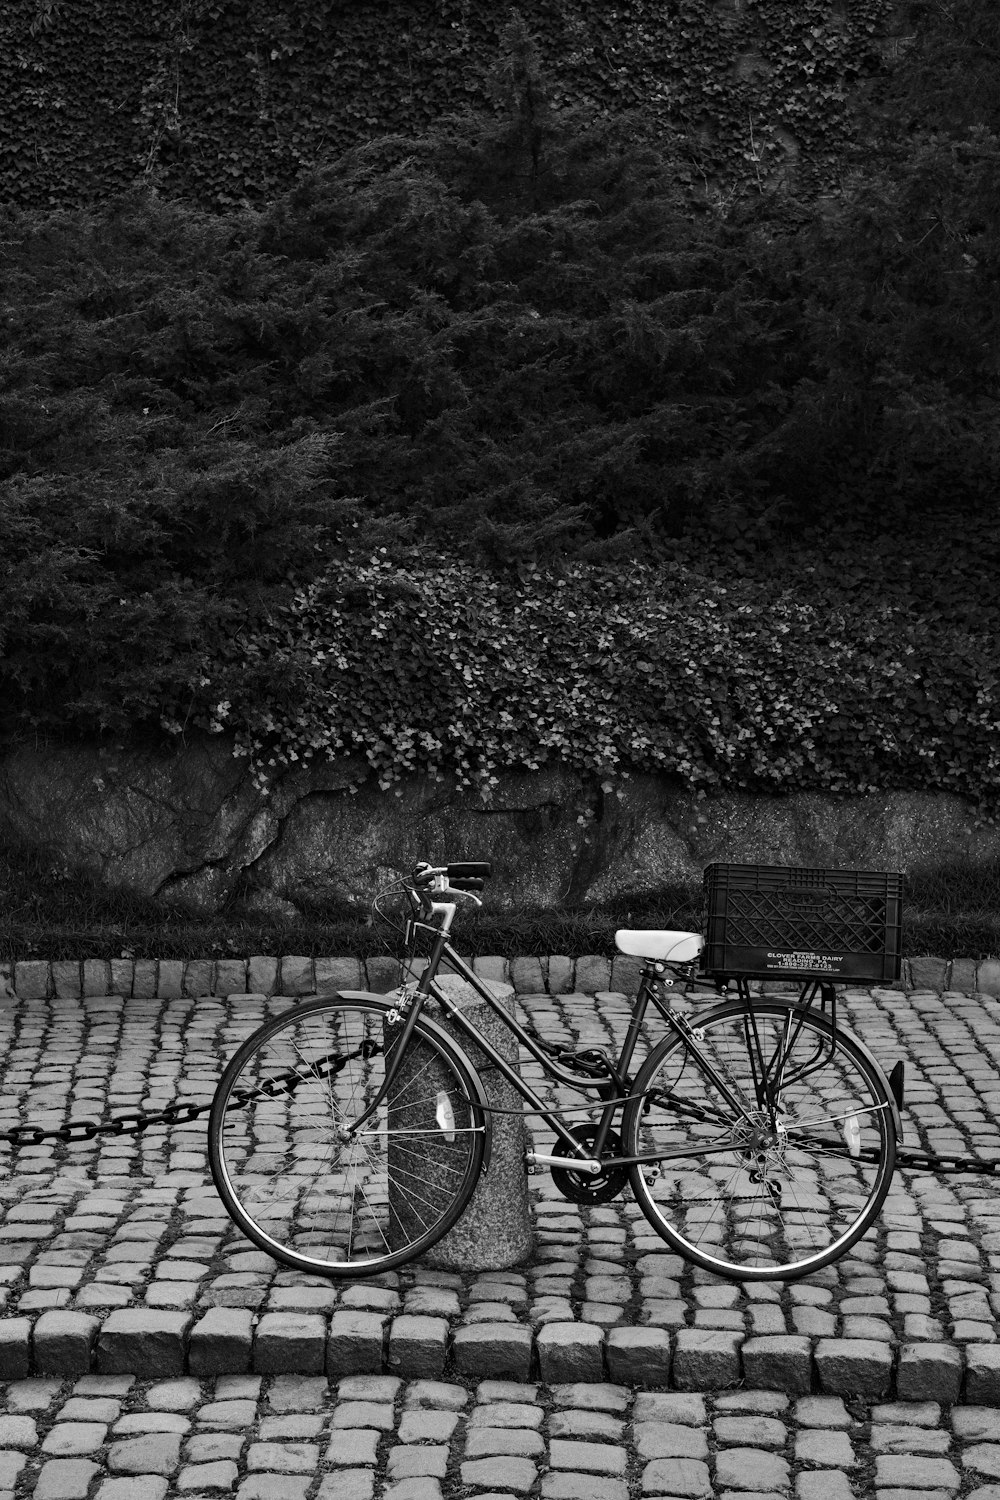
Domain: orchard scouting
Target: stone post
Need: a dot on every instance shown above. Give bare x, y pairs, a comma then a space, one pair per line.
495, 1230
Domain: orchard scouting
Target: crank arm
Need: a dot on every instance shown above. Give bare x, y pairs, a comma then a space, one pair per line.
568, 1163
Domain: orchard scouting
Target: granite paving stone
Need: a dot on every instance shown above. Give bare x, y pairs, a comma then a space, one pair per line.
221, 1475
485, 1442
116, 1257
669, 1440
70, 1439
558, 1486
424, 1426
283, 1458
586, 1424
377, 1414
751, 1469
682, 1477
596, 1458
983, 1458
762, 1432
824, 1484
828, 1449
154, 1453
11, 1464
504, 1473
417, 1463
501, 1413
65, 1479
913, 1472
353, 1447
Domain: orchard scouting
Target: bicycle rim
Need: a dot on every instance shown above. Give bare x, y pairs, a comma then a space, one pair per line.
306, 1189
767, 1193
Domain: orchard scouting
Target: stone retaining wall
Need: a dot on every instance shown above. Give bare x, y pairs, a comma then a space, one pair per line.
556, 974
191, 828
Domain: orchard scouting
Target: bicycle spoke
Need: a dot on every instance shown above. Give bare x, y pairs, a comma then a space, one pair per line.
778, 1210
374, 1217
296, 1179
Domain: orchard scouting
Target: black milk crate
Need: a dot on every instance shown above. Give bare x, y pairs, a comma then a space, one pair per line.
772, 921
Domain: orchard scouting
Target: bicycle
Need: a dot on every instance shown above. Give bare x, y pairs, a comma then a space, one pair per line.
348, 1133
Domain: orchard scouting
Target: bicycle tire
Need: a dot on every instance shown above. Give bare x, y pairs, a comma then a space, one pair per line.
306, 1191
761, 1202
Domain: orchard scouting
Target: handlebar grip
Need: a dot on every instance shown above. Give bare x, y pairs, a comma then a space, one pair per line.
474, 870
461, 883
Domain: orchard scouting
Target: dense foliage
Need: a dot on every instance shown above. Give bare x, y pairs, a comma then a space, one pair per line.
227, 101
517, 356
612, 671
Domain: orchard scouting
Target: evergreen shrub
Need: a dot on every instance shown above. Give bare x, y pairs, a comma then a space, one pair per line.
501, 418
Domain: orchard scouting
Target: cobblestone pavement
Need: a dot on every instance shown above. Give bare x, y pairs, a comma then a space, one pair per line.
289, 1437
116, 1258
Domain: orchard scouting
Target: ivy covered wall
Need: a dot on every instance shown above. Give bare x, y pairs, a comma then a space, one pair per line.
224, 101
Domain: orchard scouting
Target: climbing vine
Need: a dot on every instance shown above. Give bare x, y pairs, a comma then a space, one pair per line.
609, 670
224, 102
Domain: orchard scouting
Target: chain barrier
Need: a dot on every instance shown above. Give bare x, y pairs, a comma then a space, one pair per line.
946, 1163
135, 1122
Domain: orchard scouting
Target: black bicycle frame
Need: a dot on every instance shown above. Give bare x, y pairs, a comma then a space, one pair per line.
425, 986
764, 1073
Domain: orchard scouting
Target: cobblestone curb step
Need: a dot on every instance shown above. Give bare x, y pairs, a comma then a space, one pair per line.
298, 975
153, 1343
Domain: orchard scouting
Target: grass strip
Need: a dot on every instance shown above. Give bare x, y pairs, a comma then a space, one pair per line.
49, 911
573, 934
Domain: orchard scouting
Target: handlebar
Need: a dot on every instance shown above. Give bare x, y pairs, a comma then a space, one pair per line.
447, 882
477, 870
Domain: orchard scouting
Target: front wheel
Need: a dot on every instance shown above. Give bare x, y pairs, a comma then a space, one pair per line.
772, 1153
317, 1195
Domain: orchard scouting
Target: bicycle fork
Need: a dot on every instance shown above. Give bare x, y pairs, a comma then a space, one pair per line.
411, 1003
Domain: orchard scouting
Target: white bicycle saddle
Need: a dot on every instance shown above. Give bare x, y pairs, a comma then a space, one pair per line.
667, 947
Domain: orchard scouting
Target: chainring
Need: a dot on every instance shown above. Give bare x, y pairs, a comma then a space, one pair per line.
580, 1187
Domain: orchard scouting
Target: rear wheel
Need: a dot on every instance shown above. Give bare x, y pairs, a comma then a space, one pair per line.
306, 1188
787, 1153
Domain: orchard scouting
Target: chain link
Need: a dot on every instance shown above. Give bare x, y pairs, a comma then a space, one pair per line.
944, 1164
135, 1121
947, 1164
